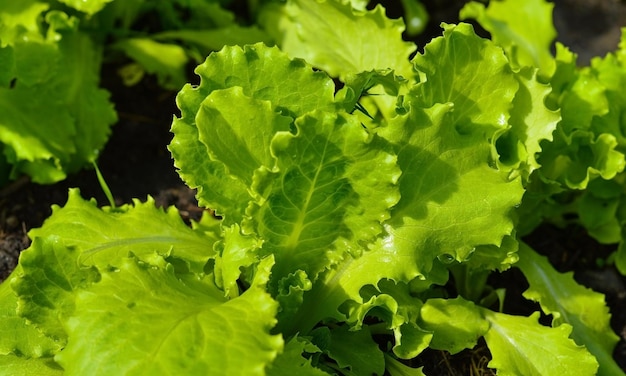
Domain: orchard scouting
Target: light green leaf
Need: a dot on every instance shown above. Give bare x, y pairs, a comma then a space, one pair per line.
19, 19
17, 337
395, 306
215, 39
88, 6
396, 368
260, 72
521, 346
568, 302
579, 152
339, 39
154, 322
103, 236
88, 105
229, 121
356, 351
524, 28
332, 188
456, 324
14, 365
236, 251
56, 82
46, 284
167, 61
531, 123
445, 151
292, 362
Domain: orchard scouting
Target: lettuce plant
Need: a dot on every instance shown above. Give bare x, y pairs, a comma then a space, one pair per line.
351, 181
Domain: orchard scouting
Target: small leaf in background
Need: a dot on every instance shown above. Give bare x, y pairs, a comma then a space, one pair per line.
167, 61
88, 6
333, 36
523, 28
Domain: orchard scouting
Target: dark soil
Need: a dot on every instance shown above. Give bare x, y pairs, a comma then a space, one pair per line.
136, 163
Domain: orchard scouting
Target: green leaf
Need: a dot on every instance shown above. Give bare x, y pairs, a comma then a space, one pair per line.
19, 366
339, 39
398, 309
260, 72
521, 346
154, 322
292, 362
396, 368
47, 282
103, 236
235, 252
167, 61
531, 124
523, 28
19, 19
445, 150
580, 151
568, 302
228, 120
56, 79
456, 324
356, 351
324, 199
216, 39
17, 337
88, 6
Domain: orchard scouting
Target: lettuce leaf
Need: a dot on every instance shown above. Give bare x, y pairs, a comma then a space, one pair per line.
333, 36
164, 323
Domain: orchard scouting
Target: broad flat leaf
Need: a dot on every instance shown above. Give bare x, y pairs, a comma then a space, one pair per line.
88, 6
332, 188
104, 236
260, 72
568, 302
17, 337
141, 319
524, 28
46, 283
456, 324
338, 39
19, 366
521, 346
